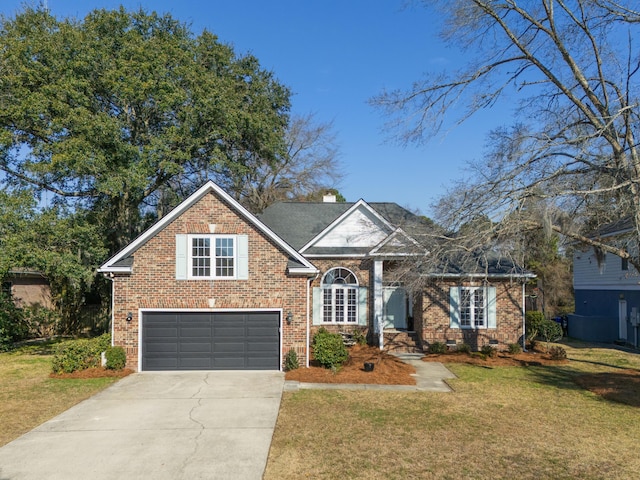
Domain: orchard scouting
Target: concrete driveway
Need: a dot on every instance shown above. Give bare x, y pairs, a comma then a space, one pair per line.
169, 425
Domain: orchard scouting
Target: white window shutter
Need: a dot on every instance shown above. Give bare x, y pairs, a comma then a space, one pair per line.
491, 307
362, 306
243, 257
182, 251
454, 307
316, 318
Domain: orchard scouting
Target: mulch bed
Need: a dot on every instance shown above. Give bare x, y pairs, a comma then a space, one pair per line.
97, 372
502, 359
387, 370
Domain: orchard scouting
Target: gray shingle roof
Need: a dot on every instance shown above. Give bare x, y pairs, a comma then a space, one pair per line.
299, 222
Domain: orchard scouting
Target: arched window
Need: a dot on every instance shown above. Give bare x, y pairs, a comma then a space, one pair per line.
339, 296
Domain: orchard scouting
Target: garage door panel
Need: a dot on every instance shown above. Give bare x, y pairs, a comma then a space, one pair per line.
157, 348
161, 363
195, 347
262, 363
194, 362
229, 333
229, 347
164, 332
262, 348
195, 332
205, 340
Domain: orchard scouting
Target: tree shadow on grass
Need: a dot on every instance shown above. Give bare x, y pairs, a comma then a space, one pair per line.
621, 386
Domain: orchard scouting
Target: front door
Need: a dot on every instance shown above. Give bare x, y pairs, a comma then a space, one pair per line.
622, 319
395, 307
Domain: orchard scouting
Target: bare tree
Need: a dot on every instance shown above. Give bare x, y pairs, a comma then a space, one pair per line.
571, 164
309, 164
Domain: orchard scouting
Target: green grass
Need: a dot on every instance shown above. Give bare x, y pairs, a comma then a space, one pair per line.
503, 422
28, 397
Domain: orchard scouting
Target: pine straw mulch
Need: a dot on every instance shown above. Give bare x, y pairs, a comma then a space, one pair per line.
387, 370
95, 372
502, 359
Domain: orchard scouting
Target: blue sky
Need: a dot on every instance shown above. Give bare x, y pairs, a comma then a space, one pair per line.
334, 55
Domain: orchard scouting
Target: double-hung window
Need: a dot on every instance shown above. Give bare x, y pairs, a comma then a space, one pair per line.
339, 297
212, 256
209, 256
472, 307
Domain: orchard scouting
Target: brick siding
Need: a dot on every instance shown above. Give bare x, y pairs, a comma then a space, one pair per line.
434, 305
153, 284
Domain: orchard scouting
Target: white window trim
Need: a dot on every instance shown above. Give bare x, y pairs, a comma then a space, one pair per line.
212, 266
485, 309
341, 286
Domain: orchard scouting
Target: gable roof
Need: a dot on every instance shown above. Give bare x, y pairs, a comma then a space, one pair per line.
305, 225
122, 261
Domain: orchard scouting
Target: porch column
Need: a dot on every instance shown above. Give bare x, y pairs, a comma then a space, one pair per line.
378, 303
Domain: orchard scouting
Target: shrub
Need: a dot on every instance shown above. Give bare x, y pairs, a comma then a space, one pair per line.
515, 348
12, 323
557, 353
291, 361
533, 320
79, 354
41, 321
116, 358
329, 349
359, 337
437, 347
550, 331
103, 341
488, 351
463, 348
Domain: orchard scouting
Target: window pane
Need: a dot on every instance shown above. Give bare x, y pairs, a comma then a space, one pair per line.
465, 307
201, 261
478, 307
327, 305
224, 247
224, 257
339, 276
352, 305
224, 267
339, 305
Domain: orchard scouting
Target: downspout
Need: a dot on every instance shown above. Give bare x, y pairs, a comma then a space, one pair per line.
113, 323
308, 328
378, 301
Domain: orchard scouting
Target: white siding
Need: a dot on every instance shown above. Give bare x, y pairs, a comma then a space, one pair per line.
359, 229
587, 275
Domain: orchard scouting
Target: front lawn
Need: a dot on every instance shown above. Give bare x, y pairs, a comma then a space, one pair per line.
535, 422
29, 397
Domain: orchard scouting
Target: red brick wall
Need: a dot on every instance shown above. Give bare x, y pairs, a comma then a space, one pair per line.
153, 284
363, 270
434, 306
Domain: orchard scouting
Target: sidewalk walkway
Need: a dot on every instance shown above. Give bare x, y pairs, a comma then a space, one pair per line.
430, 377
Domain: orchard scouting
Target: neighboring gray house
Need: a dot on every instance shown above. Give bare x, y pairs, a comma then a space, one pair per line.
607, 292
